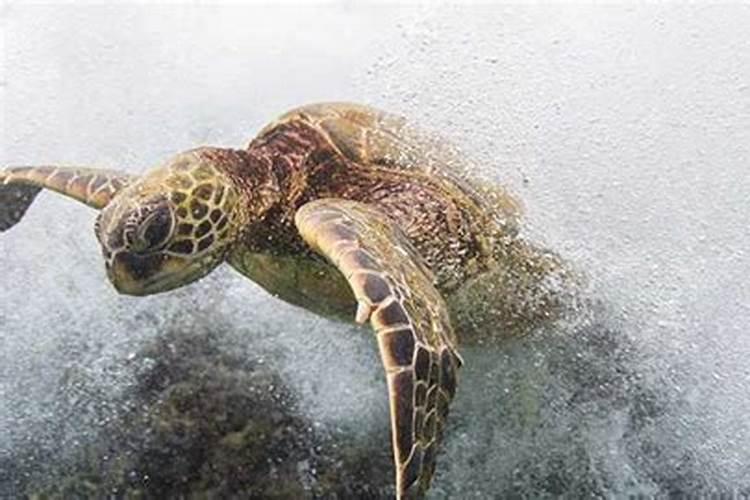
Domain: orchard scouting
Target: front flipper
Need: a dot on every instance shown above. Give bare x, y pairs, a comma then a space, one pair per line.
395, 291
19, 186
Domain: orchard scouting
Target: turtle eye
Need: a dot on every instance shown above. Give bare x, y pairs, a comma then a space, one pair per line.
156, 229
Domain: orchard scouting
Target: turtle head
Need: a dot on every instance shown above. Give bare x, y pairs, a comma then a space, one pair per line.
172, 226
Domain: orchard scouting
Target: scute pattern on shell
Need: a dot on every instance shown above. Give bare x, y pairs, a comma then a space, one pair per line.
370, 136
454, 219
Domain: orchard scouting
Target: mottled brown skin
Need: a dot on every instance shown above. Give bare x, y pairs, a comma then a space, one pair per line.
345, 211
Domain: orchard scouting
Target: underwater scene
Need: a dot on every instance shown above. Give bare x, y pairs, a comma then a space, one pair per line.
370, 251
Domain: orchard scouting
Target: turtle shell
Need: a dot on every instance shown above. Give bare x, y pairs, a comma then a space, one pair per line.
368, 136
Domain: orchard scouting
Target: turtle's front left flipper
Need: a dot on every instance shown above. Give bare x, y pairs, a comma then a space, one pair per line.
19, 186
395, 291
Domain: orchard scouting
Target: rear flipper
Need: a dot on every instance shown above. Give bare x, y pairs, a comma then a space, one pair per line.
19, 186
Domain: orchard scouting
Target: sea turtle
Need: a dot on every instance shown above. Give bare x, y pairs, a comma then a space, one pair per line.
346, 211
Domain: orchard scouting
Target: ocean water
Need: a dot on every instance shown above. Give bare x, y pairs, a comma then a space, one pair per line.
625, 131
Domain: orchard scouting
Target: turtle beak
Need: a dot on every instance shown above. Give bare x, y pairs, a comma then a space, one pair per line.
133, 274
137, 274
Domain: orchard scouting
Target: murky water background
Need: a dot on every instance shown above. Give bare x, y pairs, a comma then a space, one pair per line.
625, 131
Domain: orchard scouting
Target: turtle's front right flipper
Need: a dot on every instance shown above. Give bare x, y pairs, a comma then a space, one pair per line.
395, 291
19, 186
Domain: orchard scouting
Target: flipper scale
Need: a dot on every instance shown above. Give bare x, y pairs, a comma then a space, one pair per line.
20, 185
395, 291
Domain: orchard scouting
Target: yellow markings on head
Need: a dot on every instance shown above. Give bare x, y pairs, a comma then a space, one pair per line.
173, 225
204, 200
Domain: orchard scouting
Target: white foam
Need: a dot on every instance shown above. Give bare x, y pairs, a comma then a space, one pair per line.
624, 130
